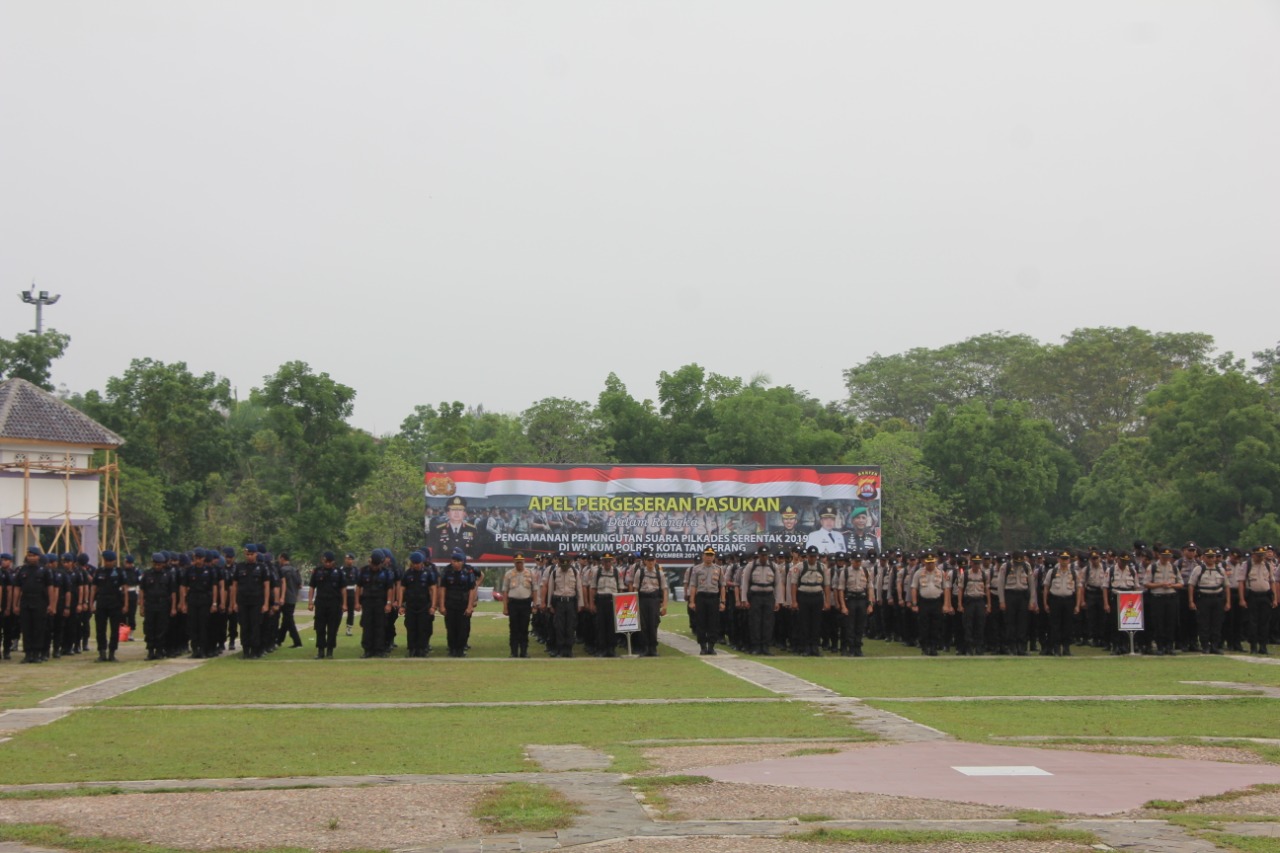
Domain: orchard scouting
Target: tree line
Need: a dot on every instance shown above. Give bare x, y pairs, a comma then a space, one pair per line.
998, 441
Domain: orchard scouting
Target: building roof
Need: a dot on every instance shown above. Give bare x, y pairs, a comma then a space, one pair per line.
31, 413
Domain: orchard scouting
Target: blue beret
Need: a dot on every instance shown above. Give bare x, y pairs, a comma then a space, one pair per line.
35, 550
262, 558
376, 557
426, 552
108, 555
416, 557
68, 556
228, 551
158, 557
6, 556
184, 560
458, 554
129, 558
327, 555
250, 548
82, 559
44, 559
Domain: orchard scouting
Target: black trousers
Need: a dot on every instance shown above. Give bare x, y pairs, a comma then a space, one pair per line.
606, 642
456, 621
106, 622
328, 618
249, 616
131, 611
1062, 610
929, 623
519, 611
1017, 617
417, 626
373, 625
1259, 616
33, 622
760, 619
349, 595
975, 624
855, 621
1164, 619
198, 623
287, 625
564, 624
1210, 608
809, 620
1096, 616
155, 626
707, 616
650, 608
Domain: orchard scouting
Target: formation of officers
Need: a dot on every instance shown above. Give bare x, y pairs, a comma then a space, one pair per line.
798, 599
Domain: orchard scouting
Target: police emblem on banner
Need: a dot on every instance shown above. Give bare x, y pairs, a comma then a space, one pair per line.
440, 485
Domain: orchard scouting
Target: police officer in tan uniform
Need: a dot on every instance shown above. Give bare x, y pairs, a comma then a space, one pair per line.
707, 588
650, 582
930, 601
855, 594
519, 592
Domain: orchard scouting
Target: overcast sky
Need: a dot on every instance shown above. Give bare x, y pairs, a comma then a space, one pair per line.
500, 202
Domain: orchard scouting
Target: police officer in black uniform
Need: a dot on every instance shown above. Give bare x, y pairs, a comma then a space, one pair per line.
250, 587
328, 592
107, 595
159, 603
37, 603
418, 604
375, 594
8, 614
458, 599
455, 532
197, 593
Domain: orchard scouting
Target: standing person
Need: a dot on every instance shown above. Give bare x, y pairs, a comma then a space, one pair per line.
811, 597
291, 579
1258, 597
519, 590
458, 597
650, 582
706, 595
562, 590
250, 588
1122, 579
158, 601
328, 592
349, 571
131, 577
930, 601
601, 585
84, 572
8, 614
197, 591
1097, 598
1163, 580
37, 602
375, 594
1188, 631
1063, 597
417, 604
973, 583
1207, 599
856, 594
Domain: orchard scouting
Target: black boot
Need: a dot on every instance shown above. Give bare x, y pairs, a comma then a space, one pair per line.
111, 655
102, 657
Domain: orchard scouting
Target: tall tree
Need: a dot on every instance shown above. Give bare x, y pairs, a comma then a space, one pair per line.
634, 428
563, 430
914, 513
30, 356
390, 508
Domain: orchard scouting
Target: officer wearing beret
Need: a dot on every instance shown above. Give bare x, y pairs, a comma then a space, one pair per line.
250, 589
8, 607
455, 533
457, 597
37, 602
328, 591
107, 595
159, 603
375, 596
197, 598
418, 603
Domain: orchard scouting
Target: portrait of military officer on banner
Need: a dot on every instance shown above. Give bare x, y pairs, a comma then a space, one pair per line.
455, 532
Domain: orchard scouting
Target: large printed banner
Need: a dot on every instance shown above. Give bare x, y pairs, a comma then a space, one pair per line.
491, 512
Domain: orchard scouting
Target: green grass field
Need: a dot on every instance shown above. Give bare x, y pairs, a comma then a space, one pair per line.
26, 686
979, 721
1029, 676
100, 745
233, 681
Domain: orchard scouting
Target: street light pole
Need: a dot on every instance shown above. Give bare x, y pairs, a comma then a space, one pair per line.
42, 299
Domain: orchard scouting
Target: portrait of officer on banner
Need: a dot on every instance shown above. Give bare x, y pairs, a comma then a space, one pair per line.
455, 532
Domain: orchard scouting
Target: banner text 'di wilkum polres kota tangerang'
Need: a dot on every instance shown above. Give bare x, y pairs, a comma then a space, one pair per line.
492, 512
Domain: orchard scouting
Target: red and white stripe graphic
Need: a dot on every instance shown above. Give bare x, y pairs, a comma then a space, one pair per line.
587, 481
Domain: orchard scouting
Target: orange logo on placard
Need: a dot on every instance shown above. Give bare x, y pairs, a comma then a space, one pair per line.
440, 485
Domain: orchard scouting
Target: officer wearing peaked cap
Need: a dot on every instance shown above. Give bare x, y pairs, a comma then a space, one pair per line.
455, 532
826, 538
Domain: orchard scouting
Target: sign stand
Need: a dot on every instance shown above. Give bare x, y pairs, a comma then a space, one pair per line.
626, 616
1130, 616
